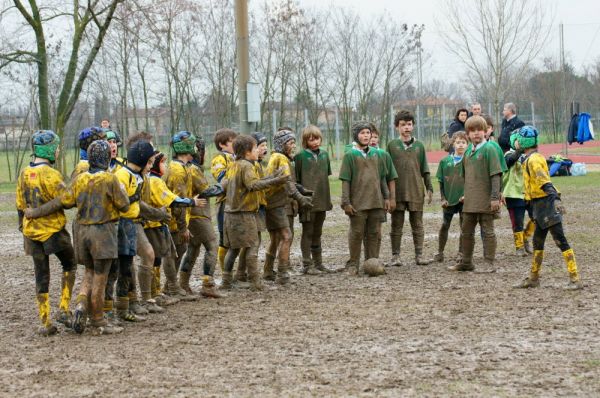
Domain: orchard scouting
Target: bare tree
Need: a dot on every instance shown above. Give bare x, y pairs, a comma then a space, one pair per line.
495, 38
89, 20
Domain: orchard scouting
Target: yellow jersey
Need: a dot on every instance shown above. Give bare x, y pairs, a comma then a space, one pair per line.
37, 184
179, 181
218, 168
99, 198
129, 182
535, 176
277, 195
160, 196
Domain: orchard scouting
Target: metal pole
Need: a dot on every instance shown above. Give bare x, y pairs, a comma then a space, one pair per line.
305, 117
532, 114
243, 63
337, 134
444, 117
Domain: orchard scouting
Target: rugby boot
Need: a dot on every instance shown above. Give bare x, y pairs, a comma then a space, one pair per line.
227, 283
184, 283
80, 314
47, 328
64, 313
439, 258
317, 257
153, 308
241, 274
396, 262
283, 272
520, 244
209, 288
221, 252
574, 282
268, 272
533, 280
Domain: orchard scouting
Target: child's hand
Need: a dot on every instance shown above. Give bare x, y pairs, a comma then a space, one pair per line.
462, 199
386, 205
559, 207
444, 203
495, 205
392, 205
199, 202
349, 210
186, 235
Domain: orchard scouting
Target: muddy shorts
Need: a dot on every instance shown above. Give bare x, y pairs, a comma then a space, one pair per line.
241, 230
160, 240
58, 242
127, 237
410, 206
97, 242
261, 219
277, 218
202, 231
544, 212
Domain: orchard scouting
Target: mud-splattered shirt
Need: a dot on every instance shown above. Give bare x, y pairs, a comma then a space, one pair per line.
99, 198
480, 165
81, 167
364, 172
312, 172
277, 195
39, 183
411, 166
242, 192
218, 168
535, 176
451, 177
260, 172
199, 185
116, 164
160, 196
179, 181
130, 182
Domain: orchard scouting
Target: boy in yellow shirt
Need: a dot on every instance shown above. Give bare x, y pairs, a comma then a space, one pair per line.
131, 178
546, 206
241, 210
201, 229
218, 168
179, 180
39, 183
279, 199
99, 199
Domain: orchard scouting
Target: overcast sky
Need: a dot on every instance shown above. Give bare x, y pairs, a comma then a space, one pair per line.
581, 19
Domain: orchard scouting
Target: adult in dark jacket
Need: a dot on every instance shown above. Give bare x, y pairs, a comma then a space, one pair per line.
458, 124
510, 123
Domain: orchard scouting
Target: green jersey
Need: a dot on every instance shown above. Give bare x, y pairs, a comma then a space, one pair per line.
479, 166
364, 172
411, 166
451, 177
312, 172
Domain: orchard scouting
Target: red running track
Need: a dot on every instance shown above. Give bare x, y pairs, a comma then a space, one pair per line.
576, 152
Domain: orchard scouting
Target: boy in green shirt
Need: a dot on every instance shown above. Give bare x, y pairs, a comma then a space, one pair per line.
452, 187
483, 181
408, 155
363, 194
313, 169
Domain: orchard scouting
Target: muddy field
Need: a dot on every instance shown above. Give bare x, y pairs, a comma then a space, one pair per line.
417, 331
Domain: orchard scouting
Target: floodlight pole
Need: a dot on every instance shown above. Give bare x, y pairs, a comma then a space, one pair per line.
243, 63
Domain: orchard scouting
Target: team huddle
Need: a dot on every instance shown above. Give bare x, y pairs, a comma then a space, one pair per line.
160, 212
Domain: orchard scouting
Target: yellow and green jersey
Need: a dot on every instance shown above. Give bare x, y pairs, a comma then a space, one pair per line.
535, 176
218, 168
276, 195
179, 181
99, 197
39, 183
129, 182
160, 196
